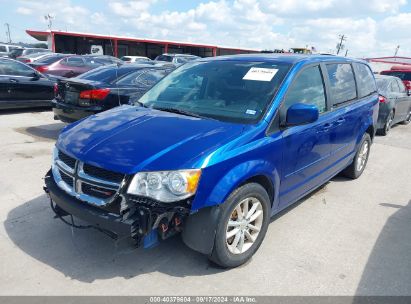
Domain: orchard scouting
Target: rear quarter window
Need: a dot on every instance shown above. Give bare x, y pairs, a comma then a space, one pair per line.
342, 82
365, 80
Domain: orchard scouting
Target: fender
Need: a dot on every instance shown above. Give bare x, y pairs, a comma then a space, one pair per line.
237, 176
200, 228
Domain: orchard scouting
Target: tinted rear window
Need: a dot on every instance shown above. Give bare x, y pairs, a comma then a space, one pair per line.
49, 59
383, 85
342, 82
365, 78
104, 74
143, 77
164, 58
399, 74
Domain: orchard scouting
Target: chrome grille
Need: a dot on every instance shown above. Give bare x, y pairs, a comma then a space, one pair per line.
69, 161
88, 183
103, 173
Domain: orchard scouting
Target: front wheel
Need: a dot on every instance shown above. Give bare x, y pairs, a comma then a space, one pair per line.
356, 168
243, 224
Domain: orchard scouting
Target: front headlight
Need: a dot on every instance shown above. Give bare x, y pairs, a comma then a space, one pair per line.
165, 186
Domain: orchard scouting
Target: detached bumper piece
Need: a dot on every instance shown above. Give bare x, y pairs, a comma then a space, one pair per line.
142, 219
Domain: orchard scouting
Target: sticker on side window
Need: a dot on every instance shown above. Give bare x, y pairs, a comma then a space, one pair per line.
260, 74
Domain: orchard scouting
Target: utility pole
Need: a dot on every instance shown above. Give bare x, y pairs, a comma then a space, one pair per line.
8, 32
49, 18
396, 50
340, 45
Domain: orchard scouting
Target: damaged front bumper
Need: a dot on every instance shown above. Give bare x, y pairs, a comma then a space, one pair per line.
142, 222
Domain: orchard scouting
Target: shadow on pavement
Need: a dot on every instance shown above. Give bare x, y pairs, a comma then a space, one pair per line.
48, 132
88, 255
24, 110
388, 269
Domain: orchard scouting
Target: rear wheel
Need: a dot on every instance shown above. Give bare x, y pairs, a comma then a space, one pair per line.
388, 124
356, 168
407, 119
242, 226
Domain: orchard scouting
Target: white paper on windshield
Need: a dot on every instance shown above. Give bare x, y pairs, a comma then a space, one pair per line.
260, 74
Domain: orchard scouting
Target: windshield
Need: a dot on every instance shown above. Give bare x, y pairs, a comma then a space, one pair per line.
125, 58
234, 91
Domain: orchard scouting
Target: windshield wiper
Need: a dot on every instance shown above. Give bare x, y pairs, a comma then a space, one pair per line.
140, 104
178, 111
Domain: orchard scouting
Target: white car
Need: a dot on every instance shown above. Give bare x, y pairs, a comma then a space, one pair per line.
133, 59
5, 49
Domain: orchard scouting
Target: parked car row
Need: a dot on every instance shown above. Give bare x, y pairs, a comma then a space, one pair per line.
38, 72
23, 86
104, 88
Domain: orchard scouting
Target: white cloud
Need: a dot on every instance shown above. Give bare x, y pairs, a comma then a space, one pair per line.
130, 8
24, 11
372, 26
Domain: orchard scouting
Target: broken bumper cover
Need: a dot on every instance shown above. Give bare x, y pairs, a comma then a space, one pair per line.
93, 215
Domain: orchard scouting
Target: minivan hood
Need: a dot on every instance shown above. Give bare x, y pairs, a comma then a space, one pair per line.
129, 139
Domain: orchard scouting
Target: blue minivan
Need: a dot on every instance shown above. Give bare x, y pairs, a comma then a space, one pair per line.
215, 149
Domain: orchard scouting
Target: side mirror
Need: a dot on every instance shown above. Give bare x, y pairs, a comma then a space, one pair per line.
35, 76
301, 113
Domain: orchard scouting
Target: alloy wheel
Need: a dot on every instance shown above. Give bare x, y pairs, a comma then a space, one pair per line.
244, 225
389, 122
362, 156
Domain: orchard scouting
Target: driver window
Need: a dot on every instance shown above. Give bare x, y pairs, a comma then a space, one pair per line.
15, 68
308, 88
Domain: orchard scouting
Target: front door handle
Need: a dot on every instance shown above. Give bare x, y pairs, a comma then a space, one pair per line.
13, 80
340, 121
324, 128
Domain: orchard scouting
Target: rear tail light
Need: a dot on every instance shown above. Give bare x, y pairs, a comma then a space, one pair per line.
382, 99
407, 84
42, 68
56, 89
97, 94
24, 60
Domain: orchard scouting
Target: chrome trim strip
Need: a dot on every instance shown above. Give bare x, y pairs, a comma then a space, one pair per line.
79, 178
64, 167
83, 175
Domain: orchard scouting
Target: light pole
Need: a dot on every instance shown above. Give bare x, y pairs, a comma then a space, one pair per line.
8, 32
49, 18
340, 45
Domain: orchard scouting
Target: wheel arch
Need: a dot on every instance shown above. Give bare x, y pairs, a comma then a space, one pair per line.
200, 228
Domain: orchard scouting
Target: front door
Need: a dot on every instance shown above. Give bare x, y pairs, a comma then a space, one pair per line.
306, 147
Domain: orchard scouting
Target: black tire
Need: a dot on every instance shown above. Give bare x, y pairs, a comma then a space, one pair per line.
407, 119
352, 170
221, 255
388, 124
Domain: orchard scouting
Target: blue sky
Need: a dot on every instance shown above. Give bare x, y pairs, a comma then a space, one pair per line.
373, 27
